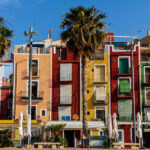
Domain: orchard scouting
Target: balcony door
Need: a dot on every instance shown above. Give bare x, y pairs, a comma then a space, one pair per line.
33, 112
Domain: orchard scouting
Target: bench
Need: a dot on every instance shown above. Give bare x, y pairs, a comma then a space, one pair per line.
42, 144
132, 145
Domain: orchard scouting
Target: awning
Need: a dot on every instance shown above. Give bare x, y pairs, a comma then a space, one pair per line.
78, 124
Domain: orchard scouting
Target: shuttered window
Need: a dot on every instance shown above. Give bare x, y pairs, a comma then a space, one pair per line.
100, 93
124, 65
125, 110
65, 94
124, 86
99, 73
64, 112
65, 72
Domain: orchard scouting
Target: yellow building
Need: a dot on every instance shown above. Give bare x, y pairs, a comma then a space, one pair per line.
98, 91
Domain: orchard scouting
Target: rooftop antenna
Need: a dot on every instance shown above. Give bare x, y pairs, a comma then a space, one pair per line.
50, 33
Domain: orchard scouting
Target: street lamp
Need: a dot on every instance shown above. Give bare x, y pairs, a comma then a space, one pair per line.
30, 33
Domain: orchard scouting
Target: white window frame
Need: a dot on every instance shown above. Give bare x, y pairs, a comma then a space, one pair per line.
60, 119
95, 70
123, 78
28, 66
144, 72
27, 110
100, 108
27, 81
122, 131
122, 57
100, 85
41, 112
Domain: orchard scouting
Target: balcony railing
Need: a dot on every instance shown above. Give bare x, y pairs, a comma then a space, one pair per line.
34, 73
101, 100
125, 117
37, 96
65, 99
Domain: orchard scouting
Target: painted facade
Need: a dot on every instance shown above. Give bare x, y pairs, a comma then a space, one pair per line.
97, 91
41, 81
6, 76
121, 86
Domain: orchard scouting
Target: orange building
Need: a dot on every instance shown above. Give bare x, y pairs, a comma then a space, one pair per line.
41, 81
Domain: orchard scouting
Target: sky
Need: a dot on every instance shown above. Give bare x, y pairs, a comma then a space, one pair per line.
124, 17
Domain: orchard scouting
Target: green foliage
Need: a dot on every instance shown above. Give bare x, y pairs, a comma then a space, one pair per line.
56, 129
5, 138
5, 35
83, 30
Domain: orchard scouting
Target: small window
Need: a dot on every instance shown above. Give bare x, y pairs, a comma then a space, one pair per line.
34, 89
43, 112
124, 87
99, 55
124, 65
35, 70
125, 110
100, 113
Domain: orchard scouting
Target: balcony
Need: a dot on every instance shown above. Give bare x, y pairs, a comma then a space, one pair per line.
101, 100
35, 74
36, 97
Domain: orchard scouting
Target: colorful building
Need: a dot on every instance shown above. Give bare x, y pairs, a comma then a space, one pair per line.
6, 77
145, 87
41, 82
121, 86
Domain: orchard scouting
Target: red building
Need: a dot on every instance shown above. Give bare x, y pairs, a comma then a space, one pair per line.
121, 86
66, 91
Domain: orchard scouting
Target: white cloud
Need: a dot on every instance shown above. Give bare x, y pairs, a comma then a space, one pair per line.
8, 2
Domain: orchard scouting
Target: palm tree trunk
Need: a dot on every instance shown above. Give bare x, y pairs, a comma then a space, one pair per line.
84, 96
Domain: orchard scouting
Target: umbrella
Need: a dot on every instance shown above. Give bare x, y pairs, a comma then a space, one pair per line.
28, 133
109, 126
115, 130
139, 130
20, 133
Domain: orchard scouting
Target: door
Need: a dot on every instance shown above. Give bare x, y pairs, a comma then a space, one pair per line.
69, 135
33, 113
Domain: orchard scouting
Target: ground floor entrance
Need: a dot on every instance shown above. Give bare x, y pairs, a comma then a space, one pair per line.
72, 137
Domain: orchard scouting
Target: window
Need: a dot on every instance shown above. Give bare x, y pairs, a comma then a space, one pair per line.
65, 94
34, 89
35, 67
125, 110
62, 54
43, 112
121, 135
147, 102
33, 112
100, 113
65, 72
100, 93
124, 87
99, 73
147, 74
147, 114
145, 57
123, 65
64, 113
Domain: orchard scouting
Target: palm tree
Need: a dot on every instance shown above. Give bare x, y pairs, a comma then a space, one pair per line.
83, 34
5, 35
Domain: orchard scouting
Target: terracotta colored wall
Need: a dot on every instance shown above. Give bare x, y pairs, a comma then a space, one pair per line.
75, 106
44, 83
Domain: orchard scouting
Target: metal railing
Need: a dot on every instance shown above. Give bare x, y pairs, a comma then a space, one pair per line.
36, 96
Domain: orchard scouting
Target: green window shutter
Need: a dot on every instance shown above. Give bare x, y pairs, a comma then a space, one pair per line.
125, 110
123, 65
124, 85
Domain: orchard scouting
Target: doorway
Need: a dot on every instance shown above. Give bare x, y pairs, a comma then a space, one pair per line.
69, 135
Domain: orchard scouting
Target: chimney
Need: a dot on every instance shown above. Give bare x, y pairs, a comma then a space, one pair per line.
110, 37
148, 32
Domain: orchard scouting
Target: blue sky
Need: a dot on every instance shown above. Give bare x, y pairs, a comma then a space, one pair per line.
126, 17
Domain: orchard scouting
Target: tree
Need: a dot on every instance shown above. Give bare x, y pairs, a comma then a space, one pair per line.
5, 35
83, 34
56, 129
